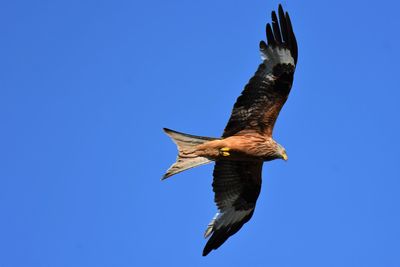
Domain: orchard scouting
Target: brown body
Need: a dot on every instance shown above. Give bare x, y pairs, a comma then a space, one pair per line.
248, 147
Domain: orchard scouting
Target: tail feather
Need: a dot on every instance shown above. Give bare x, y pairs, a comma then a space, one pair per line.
187, 158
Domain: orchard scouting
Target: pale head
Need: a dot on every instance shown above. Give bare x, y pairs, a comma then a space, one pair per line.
275, 151
281, 151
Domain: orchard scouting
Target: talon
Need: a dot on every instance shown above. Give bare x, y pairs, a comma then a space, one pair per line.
224, 151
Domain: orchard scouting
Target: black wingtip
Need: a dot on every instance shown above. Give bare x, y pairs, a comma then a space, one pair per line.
280, 32
263, 45
275, 27
280, 9
293, 41
270, 35
215, 241
205, 252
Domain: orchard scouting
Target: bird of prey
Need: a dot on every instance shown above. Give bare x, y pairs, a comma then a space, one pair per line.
247, 139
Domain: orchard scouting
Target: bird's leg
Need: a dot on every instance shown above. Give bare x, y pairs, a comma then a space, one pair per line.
224, 151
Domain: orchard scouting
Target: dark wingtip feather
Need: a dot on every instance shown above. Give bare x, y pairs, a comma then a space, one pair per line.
280, 8
205, 252
270, 35
275, 27
221, 235
281, 32
293, 42
263, 45
218, 238
207, 249
282, 22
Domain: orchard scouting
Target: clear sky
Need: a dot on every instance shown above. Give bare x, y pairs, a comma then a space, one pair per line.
86, 86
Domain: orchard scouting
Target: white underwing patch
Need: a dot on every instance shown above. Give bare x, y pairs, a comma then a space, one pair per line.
273, 56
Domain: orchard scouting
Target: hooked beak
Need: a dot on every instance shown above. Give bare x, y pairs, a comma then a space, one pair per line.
284, 156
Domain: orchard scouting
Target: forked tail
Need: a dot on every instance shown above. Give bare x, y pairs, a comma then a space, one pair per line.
187, 157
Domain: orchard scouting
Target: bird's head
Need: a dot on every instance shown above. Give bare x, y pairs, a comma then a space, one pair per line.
282, 153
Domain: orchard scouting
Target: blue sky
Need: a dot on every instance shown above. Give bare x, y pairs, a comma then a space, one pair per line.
86, 86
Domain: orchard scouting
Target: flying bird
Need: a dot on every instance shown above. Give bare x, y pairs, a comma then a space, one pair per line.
247, 139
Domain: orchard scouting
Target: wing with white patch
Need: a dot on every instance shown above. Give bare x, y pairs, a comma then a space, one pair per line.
258, 107
237, 185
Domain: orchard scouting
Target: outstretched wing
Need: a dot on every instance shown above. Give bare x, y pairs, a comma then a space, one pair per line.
237, 185
258, 106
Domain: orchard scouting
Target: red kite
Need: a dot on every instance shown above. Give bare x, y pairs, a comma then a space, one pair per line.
247, 139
